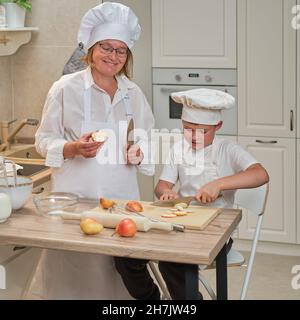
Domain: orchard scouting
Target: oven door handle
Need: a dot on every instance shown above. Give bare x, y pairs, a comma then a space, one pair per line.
169, 89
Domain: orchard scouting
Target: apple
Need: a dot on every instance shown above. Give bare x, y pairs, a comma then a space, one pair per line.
134, 206
90, 226
106, 203
126, 228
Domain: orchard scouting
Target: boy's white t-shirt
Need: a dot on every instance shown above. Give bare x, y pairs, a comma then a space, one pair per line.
195, 168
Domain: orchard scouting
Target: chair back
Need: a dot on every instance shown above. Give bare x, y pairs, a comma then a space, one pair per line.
253, 199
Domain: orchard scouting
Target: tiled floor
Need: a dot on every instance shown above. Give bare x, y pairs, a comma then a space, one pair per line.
271, 279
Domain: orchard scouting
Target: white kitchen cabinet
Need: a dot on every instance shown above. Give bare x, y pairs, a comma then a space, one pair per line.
298, 79
298, 191
266, 68
279, 159
42, 188
194, 33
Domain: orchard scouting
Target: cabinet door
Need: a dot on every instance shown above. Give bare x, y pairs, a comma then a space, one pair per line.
298, 191
194, 33
266, 68
278, 158
298, 72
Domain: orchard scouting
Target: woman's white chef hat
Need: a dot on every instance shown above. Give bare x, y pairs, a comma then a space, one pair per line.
109, 20
203, 106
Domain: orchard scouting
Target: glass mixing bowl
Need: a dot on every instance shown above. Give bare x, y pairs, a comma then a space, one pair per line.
53, 203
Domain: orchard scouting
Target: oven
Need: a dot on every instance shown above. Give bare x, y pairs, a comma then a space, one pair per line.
167, 113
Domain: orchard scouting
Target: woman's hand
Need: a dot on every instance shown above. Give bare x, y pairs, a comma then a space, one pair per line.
84, 146
169, 195
209, 192
134, 154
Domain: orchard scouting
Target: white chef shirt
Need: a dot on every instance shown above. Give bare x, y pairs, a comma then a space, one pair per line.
222, 158
63, 114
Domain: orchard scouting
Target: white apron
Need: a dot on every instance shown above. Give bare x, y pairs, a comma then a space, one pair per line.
71, 275
204, 174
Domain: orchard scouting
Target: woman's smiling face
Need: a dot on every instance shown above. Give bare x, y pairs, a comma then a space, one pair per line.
106, 62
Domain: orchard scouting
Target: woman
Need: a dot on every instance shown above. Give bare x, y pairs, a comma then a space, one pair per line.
99, 97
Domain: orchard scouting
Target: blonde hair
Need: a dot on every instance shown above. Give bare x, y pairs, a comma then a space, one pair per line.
127, 69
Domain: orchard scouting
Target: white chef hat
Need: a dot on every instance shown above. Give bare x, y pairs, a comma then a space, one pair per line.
109, 20
203, 106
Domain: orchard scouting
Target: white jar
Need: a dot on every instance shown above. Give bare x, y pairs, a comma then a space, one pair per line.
5, 207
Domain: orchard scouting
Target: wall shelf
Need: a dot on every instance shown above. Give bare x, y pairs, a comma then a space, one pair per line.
12, 38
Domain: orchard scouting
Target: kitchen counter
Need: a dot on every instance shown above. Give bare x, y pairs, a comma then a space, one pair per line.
28, 228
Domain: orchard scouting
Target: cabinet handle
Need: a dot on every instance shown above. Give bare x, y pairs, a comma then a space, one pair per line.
19, 248
38, 191
264, 141
292, 120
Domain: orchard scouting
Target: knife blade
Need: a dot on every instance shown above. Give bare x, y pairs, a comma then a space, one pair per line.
173, 202
130, 136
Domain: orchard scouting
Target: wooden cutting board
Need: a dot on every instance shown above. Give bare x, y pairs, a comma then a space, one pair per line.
197, 219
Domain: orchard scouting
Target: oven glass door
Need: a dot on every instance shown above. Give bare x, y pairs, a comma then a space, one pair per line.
167, 113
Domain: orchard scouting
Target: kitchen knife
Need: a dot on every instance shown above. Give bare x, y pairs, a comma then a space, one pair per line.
130, 137
110, 220
173, 202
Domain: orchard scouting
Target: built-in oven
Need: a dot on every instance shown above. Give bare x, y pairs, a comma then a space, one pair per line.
167, 113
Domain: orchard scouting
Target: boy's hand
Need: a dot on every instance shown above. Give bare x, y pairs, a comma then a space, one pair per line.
169, 195
209, 192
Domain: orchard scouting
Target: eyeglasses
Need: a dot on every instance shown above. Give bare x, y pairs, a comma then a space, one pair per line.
106, 49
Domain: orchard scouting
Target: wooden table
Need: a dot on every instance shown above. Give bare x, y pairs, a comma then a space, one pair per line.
30, 229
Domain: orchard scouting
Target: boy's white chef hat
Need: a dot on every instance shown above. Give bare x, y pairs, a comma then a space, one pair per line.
109, 20
203, 106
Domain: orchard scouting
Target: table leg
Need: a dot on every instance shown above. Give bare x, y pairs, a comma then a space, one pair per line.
191, 282
221, 274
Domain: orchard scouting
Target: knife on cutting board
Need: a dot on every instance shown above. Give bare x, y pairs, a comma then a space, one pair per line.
110, 220
173, 202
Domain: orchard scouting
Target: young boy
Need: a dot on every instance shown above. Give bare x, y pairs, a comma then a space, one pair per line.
213, 181
226, 166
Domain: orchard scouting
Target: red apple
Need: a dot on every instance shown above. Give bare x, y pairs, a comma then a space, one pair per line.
126, 228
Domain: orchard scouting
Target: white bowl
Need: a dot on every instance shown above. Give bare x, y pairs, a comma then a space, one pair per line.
19, 193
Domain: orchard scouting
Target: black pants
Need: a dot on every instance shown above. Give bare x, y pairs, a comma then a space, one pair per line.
140, 284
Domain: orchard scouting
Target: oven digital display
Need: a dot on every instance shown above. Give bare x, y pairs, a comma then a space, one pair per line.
193, 75
175, 109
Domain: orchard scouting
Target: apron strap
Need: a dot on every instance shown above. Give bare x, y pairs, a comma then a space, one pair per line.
87, 105
128, 108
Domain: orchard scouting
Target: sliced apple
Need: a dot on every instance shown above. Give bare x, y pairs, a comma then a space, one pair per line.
99, 136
